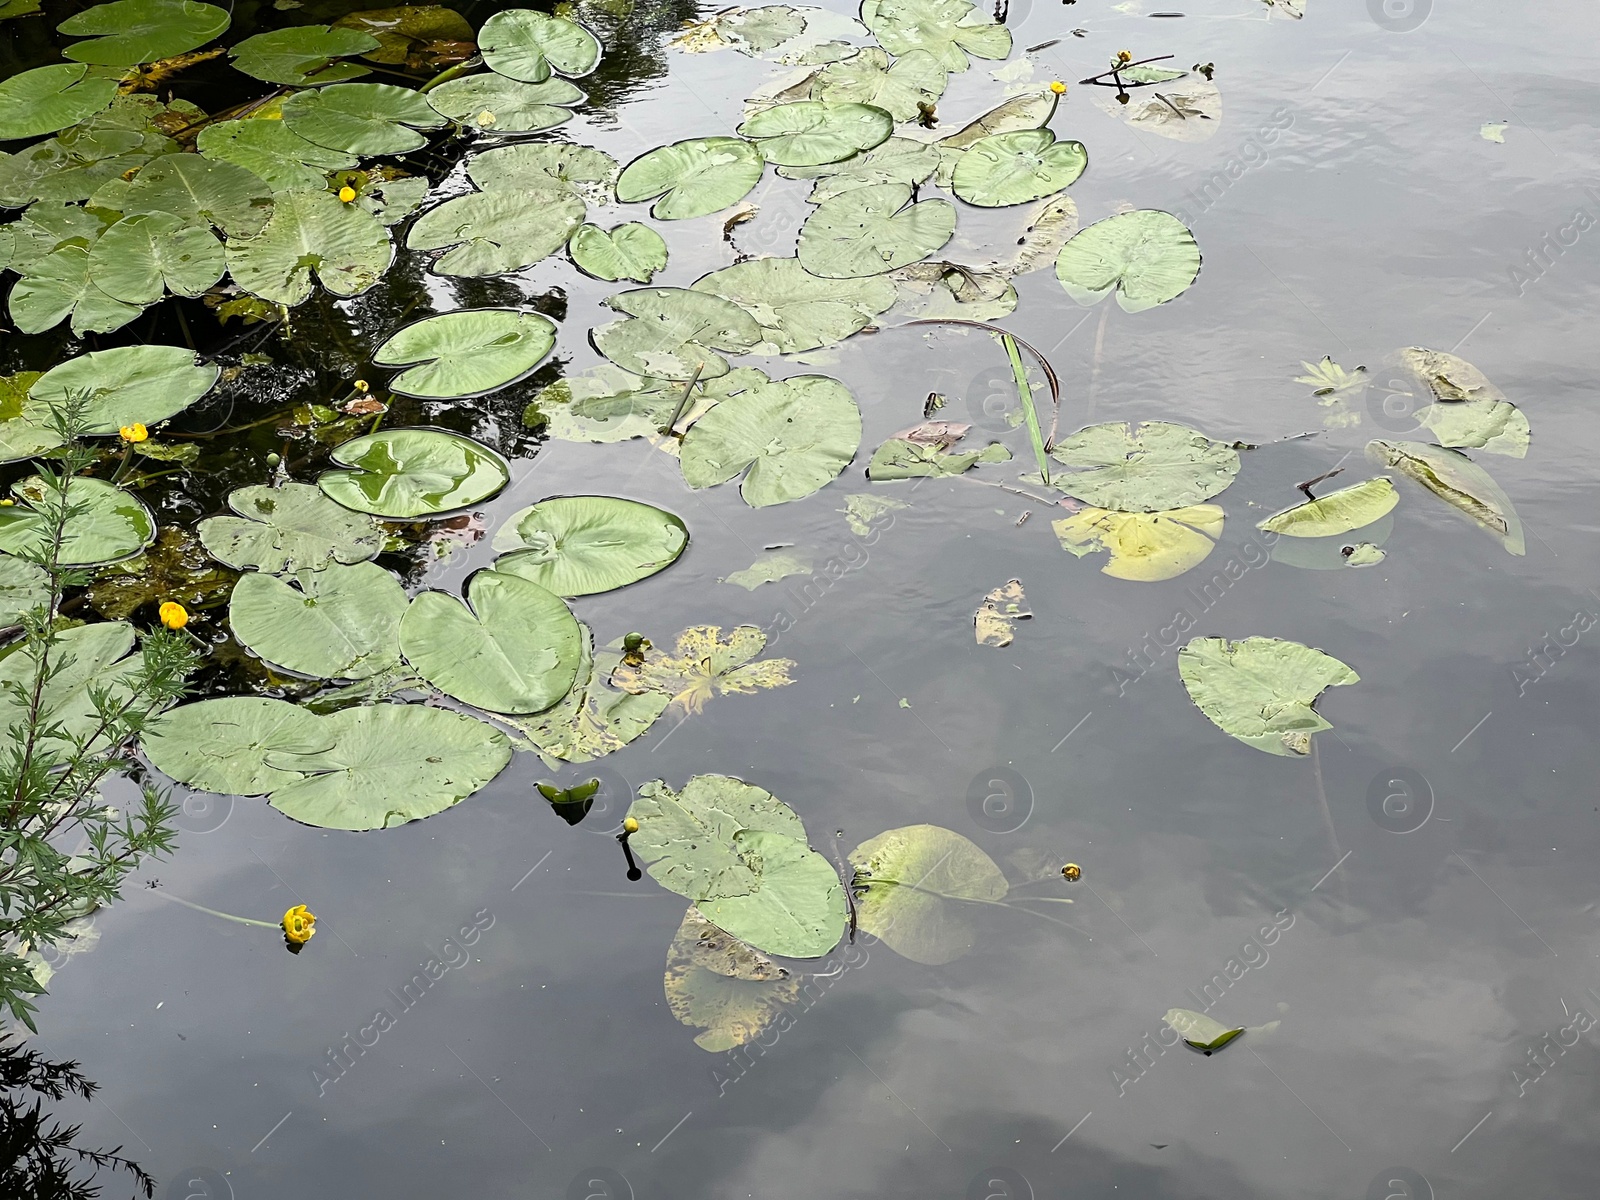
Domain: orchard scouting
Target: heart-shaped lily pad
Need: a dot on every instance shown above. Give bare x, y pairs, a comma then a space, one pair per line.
413, 473
467, 353
581, 545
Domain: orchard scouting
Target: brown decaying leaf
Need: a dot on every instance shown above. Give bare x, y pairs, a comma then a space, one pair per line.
719, 984
997, 617
704, 665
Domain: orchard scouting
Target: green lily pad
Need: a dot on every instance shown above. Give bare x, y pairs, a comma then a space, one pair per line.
108, 526
718, 984
591, 720
278, 156
582, 170
799, 909
872, 230
468, 353
795, 310
527, 45
1459, 482
1493, 426
674, 333
413, 472
499, 231
609, 404
898, 160
514, 650
131, 32
58, 286
768, 568
389, 764
46, 99
1338, 512
221, 745
867, 77
393, 200
46, 228
288, 529
693, 178
304, 55
632, 251
311, 232
24, 586
947, 29
82, 658
361, 118
1201, 1032
128, 385
686, 839
901, 458
195, 188
142, 257
811, 132
1147, 256
584, 545
794, 435
495, 104
1261, 690
913, 886
1014, 168
342, 622
755, 31
1146, 468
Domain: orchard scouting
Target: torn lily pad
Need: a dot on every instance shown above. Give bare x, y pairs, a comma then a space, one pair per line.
632, 251
704, 665
1261, 690
1459, 482
1150, 467
902, 458
1143, 547
471, 352
1364, 554
288, 529
1338, 512
795, 310
1147, 257
916, 886
995, 622
693, 178
585, 545
872, 230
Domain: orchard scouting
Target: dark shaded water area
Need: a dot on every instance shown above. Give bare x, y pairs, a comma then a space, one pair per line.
1414, 1006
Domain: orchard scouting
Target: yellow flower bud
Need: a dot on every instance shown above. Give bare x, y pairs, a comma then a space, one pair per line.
299, 924
1072, 871
347, 193
173, 615
629, 825
1124, 56
361, 385
134, 433
1058, 87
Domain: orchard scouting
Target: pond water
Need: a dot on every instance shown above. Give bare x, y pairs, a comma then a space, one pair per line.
1413, 961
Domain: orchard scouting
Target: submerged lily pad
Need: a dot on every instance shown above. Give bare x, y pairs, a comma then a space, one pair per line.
1459, 482
1145, 547
948, 29
718, 984
126, 33
1338, 512
1146, 468
47, 99
995, 622
221, 745
795, 436
913, 886
361, 118
867, 77
345, 246
796, 310
1014, 168
902, 458
495, 104
108, 525
674, 333
127, 385
584, 545
632, 251
1493, 426
1146, 256
705, 664
468, 353
303, 55
1261, 690
413, 473
528, 45
289, 528
514, 650
871, 230
812, 132
693, 178
389, 764
498, 231
768, 568
898, 160
342, 622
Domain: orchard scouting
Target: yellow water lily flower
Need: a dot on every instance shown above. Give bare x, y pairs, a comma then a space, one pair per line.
629, 825
1058, 87
173, 615
1124, 56
299, 924
1072, 871
361, 385
134, 433
347, 193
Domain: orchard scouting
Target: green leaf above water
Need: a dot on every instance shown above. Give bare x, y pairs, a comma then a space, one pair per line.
912, 887
413, 473
221, 745
1459, 482
527, 45
278, 156
498, 231
345, 246
304, 55
131, 32
1201, 1032
288, 529
140, 258
584, 545
872, 230
795, 436
692, 178
1261, 690
796, 310
1145, 468
512, 648
674, 333
57, 286
47, 99
361, 118
948, 29
867, 77
632, 251
1338, 512
468, 353
1014, 168
811, 132
127, 385
108, 526
389, 764
1147, 256
341, 622
494, 104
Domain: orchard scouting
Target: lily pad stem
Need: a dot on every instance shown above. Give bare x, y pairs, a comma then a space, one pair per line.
683, 401
214, 913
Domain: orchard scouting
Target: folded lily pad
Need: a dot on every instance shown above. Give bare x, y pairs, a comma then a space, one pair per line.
46, 99
361, 118
1459, 482
131, 32
221, 745
913, 886
1146, 468
1261, 690
106, 524
471, 352
495, 104
1014, 168
288, 529
632, 251
872, 230
341, 622
1338, 512
674, 333
1201, 1032
413, 473
795, 436
498, 231
303, 55
1146, 256
948, 29
796, 310
345, 246
1145, 547
693, 178
584, 545
527, 45
812, 132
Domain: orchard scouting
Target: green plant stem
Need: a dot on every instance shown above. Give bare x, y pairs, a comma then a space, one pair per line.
683, 401
1025, 395
455, 72
214, 913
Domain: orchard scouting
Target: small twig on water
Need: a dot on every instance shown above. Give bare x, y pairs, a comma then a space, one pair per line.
1307, 485
683, 401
